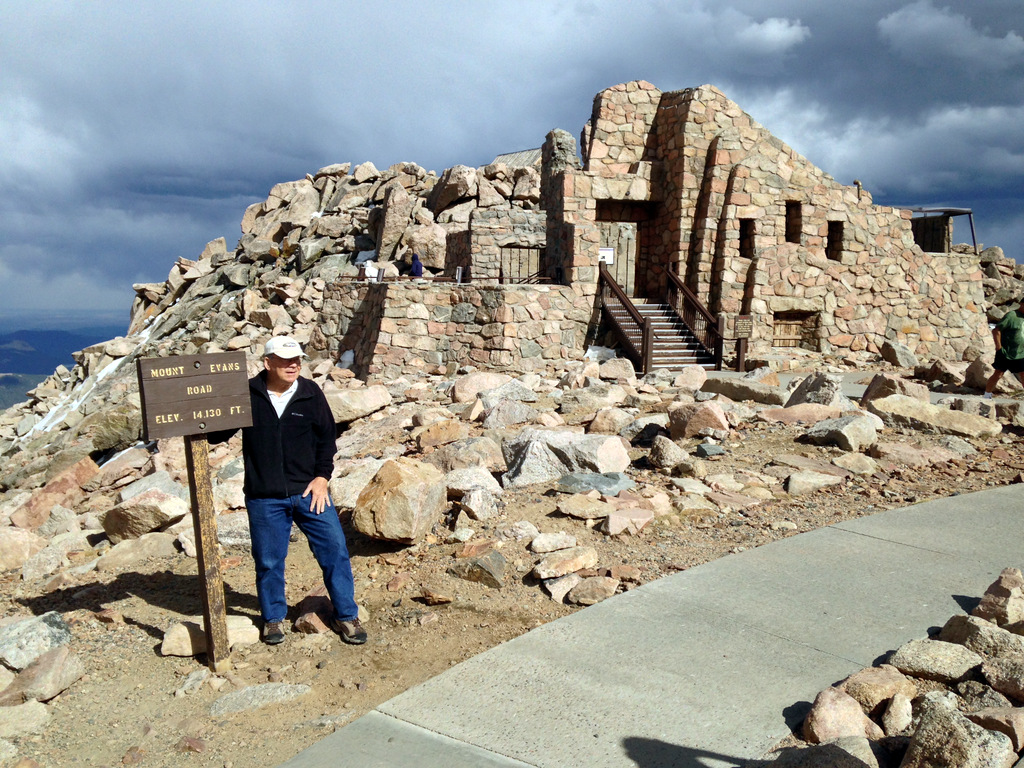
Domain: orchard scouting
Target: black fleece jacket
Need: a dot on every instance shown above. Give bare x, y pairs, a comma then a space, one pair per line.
282, 455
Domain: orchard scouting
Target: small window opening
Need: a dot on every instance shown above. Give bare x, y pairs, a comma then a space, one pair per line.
747, 231
834, 241
795, 329
794, 221
520, 265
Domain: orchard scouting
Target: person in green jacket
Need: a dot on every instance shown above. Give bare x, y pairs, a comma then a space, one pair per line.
1008, 335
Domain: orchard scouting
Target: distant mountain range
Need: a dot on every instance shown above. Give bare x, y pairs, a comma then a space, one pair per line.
33, 344
41, 351
13, 387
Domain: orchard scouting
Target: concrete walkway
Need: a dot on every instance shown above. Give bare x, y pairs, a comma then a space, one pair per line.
707, 667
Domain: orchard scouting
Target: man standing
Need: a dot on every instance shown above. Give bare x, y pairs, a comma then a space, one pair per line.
289, 454
1008, 335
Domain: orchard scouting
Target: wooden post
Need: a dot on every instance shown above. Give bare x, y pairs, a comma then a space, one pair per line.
720, 343
647, 340
741, 354
197, 459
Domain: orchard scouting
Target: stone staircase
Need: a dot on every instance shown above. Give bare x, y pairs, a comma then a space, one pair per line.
674, 344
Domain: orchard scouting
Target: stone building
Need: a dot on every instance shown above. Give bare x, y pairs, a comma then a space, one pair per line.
670, 204
687, 183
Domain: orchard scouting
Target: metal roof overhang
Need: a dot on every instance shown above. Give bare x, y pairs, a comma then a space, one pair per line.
943, 211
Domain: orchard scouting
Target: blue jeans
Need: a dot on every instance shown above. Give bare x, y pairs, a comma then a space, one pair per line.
270, 526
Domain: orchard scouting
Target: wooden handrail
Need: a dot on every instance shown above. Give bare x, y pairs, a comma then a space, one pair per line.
691, 298
705, 327
639, 338
620, 294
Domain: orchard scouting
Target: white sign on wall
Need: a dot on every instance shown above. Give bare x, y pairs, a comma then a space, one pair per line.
607, 255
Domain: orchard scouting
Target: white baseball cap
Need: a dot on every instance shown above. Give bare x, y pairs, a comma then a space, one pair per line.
284, 347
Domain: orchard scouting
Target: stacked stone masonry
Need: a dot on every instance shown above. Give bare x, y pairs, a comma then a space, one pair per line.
398, 327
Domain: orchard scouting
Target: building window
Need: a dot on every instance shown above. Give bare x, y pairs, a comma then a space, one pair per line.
746, 238
520, 265
794, 221
795, 329
834, 241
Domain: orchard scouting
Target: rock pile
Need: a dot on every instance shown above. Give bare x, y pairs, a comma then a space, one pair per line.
1003, 281
447, 464
952, 700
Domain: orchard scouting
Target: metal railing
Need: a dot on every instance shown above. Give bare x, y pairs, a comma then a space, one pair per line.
705, 327
635, 332
536, 278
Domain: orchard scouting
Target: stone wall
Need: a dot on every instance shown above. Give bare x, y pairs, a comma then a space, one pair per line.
619, 134
492, 229
415, 325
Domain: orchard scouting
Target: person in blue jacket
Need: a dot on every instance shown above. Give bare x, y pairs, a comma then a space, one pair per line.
288, 454
417, 266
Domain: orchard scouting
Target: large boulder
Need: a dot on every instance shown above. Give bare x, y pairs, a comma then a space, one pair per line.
430, 242
836, 714
946, 373
160, 481
141, 514
17, 546
188, 638
398, 205
944, 737
471, 452
592, 398
872, 687
456, 183
22, 642
65, 488
745, 389
352, 477
1006, 675
853, 432
618, 369
898, 354
885, 384
821, 388
665, 454
402, 501
1003, 601
805, 413
539, 456
690, 378
693, 419
935, 660
565, 561
469, 386
982, 637
114, 428
46, 677
351, 404
903, 411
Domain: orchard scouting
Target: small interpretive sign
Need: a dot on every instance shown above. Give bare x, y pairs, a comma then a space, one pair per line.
744, 326
193, 394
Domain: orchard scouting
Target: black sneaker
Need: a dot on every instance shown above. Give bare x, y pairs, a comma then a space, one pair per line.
273, 632
351, 631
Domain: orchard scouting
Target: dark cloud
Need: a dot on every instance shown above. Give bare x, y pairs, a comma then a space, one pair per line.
131, 134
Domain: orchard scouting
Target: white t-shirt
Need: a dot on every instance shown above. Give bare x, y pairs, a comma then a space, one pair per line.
280, 402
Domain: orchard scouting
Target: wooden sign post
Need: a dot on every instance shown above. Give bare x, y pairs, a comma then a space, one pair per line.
744, 327
189, 396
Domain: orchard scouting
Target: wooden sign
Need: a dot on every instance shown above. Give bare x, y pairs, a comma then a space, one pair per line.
193, 394
744, 326
188, 396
